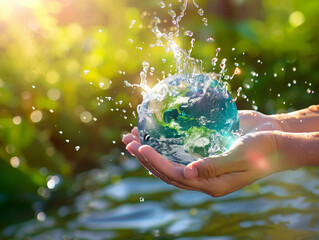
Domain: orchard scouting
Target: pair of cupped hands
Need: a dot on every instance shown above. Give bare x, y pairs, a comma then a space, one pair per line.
252, 156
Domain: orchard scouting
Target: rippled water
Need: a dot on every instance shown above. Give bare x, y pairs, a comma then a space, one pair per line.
139, 206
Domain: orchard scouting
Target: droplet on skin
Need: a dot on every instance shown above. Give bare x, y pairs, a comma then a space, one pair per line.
314, 108
315, 135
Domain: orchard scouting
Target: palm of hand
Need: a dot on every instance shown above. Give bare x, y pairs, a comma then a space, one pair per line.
249, 159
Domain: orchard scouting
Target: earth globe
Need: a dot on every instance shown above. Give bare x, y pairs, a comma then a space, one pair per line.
185, 118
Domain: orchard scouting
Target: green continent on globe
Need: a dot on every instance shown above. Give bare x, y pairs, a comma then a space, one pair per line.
186, 118
197, 141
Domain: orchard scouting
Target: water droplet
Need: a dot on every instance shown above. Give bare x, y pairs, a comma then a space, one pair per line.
294, 81
172, 13
132, 23
163, 60
294, 69
141, 199
314, 108
188, 33
278, 95
308, 91
86, 71
157, 20
289, 84
100, 30
233, 49
205, 22
77, 148
247, 86
255, 107
127, 84
130, 40
210, 40
67, 140
200, 12
41, 216
161, 4
147, 137
239, 90
237, 71
275, 74
101, 84
114, 142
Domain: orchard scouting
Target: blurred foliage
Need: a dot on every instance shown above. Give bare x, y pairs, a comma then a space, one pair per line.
63, 104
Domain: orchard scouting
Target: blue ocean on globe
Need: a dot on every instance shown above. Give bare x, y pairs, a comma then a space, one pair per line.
186, 118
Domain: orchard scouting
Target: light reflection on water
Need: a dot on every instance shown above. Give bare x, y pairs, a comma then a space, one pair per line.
282, 206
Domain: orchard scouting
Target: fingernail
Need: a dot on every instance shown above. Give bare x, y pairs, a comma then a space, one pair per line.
140, 150
191, 172
130, 151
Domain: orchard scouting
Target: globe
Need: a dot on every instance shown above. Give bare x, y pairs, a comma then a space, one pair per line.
186, 118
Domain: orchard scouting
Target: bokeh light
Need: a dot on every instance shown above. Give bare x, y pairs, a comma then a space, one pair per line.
36, 116
15, 162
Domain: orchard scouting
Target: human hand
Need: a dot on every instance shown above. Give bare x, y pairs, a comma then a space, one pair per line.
253, 121
251, 157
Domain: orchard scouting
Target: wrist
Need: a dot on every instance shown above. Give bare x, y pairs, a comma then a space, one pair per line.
286, 160
296, 150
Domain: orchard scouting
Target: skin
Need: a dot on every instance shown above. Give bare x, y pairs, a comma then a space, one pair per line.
269, 144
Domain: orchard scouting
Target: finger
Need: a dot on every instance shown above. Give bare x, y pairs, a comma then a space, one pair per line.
133, 149
129, 138
135, 131
214, 166
175, 172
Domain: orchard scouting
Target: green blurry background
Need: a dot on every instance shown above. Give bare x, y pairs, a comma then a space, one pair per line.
63, 104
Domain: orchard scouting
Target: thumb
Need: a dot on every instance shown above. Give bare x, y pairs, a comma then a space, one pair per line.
212, 166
